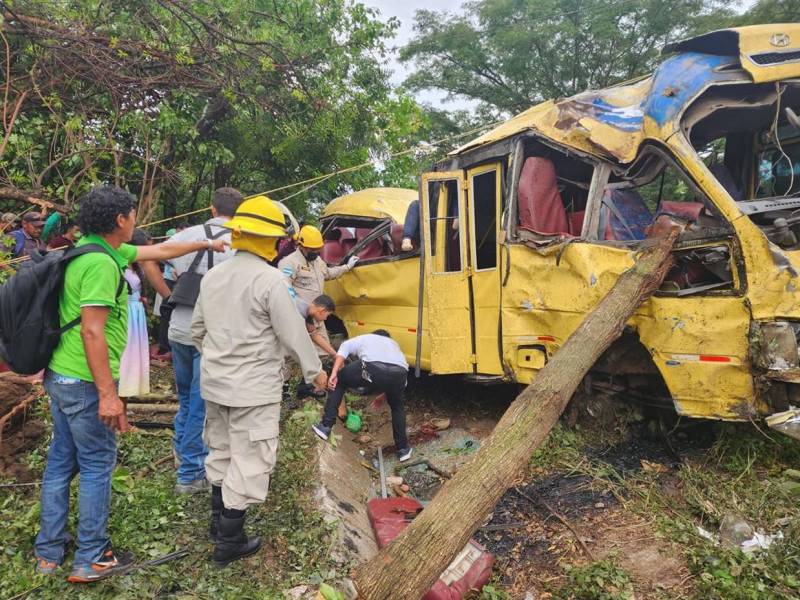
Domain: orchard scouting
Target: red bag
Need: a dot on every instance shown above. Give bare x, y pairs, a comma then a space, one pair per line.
470, 570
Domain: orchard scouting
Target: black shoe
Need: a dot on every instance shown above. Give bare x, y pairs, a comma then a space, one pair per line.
232, 542
216, 509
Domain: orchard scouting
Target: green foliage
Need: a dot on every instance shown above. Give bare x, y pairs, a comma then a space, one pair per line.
509, 55
150, 520
601, 580
246, 93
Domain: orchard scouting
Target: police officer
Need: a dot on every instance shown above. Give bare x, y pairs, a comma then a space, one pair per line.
243, 319
307, 272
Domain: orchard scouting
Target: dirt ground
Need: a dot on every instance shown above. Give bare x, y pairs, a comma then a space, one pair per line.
552, 519
20, 432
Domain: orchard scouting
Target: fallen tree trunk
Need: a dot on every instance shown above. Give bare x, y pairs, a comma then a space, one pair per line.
12, 193
152, 408
411, 564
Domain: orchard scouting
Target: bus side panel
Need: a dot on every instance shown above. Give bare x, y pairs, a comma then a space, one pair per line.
383, 295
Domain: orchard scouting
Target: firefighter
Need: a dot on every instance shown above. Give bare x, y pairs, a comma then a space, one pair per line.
307, 272
243, 319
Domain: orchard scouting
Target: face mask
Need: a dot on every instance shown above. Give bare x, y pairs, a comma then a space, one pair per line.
312, 256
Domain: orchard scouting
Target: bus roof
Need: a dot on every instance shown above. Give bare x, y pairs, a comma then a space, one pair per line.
614, 121
378, 203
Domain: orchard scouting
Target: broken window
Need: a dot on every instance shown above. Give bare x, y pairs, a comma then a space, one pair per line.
444, 227
758, 127
484, 207
632, 202
552, 192
368, 239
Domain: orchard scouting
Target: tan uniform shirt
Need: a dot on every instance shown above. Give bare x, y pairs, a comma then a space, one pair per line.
243, 319
307, 278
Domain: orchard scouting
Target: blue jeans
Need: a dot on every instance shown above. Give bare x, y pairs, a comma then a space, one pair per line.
81, 444
188, 440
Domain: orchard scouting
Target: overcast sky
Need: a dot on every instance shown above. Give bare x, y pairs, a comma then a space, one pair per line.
404, 10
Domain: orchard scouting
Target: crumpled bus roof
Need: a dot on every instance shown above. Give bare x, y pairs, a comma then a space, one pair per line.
378, 203
613, 122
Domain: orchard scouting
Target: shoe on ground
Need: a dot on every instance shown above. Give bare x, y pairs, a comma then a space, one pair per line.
404, 454
322, 431
110, 564
193, 487
45, 567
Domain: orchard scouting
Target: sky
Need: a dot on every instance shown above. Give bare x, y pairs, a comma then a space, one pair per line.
404, 10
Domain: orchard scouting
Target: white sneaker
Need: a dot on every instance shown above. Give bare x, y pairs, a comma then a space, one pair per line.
404, 455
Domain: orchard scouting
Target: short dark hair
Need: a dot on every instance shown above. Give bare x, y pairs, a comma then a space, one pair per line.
226, 201
325, 302
69, 224
100, 207
140, 237
382, 332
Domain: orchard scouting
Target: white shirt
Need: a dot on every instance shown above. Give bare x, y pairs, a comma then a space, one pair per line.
181, 320
373, 348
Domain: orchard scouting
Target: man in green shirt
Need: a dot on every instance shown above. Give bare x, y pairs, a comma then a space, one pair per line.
81, 383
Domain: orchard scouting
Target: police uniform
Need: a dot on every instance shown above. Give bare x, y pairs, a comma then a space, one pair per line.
307, 278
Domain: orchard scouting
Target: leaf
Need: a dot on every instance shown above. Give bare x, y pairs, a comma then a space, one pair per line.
330, 593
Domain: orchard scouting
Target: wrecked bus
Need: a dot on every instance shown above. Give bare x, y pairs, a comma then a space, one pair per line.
527, 227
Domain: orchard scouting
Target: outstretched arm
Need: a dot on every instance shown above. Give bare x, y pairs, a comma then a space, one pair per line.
167, 250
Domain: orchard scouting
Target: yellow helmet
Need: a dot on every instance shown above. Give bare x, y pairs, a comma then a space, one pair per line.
310, 237
258, 216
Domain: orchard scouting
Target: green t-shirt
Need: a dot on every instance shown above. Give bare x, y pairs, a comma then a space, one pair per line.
92, 280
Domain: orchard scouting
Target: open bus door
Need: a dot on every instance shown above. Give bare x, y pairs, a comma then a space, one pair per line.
447, 290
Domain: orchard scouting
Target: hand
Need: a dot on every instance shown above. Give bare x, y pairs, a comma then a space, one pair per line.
219, 245
332, 381
352, 262
111, 411
320, 381
406, 246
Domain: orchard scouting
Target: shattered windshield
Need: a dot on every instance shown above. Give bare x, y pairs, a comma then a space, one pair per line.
748, 135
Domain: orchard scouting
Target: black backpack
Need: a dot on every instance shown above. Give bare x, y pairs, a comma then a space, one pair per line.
29, 323
187, 287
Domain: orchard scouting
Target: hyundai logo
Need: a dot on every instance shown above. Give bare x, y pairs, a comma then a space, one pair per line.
780, 40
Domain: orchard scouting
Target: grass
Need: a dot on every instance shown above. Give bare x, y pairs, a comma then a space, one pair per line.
743, 473
148, 519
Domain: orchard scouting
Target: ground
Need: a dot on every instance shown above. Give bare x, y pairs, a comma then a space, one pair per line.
608, 508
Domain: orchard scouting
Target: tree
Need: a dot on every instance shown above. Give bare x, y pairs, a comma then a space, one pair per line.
772, 11
511, 54
173, 98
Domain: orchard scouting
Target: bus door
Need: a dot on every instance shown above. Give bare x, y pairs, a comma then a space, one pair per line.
447, 273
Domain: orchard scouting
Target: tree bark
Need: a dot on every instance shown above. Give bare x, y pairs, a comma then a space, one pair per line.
412, 563
12, 193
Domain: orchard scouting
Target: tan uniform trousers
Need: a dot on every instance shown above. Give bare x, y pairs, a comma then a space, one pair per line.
242, 449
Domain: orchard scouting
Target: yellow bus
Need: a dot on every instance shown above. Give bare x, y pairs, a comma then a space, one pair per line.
524, 229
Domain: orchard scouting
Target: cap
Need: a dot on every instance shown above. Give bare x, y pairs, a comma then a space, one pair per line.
33, 217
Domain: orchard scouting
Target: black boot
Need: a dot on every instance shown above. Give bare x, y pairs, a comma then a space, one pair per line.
232, 542
216, 509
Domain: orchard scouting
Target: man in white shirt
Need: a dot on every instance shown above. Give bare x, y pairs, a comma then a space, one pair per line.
190, 450
381, 367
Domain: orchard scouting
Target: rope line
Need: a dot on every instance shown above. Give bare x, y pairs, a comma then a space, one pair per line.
308, 183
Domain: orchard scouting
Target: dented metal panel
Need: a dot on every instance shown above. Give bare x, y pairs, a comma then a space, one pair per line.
383, 295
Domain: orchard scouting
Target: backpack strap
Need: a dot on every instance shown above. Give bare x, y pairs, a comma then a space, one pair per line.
213, 236
77, 251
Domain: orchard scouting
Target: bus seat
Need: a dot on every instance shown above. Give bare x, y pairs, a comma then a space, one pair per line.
375, 249
576, 222
631, 217
540, 207
686, 210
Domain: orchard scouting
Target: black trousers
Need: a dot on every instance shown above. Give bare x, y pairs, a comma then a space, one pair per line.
387, 378
165, 314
